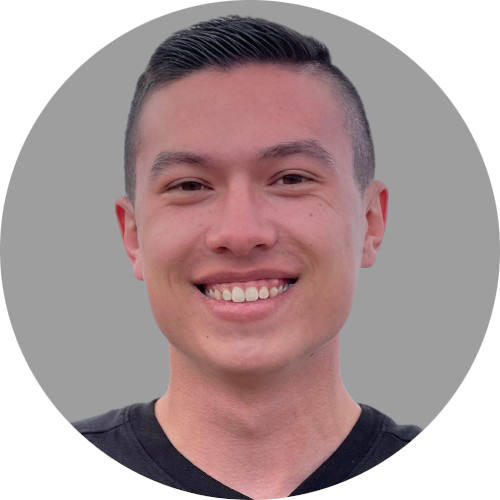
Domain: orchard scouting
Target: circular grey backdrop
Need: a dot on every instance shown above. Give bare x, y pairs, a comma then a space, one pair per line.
84, 323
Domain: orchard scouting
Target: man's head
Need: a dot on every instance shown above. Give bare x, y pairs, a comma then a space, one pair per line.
233, 41
249, 226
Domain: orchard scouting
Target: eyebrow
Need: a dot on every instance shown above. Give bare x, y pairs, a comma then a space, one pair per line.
166, 159
306, 147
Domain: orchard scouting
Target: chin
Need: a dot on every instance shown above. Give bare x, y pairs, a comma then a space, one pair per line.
259, 360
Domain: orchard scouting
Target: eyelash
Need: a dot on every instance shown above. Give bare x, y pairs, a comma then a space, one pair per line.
200, 186
303, 179
178, 186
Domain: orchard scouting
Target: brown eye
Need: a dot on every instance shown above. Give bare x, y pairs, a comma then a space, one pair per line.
293, 179
191, 186
187, 186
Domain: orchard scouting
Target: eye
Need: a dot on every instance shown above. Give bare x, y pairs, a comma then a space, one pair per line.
187, 186
292, 179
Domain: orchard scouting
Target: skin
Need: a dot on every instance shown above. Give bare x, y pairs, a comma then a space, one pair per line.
236, 404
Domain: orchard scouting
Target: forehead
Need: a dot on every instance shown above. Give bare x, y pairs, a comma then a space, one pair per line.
233, 113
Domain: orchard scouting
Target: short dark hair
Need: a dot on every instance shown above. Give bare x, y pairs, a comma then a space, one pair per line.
227, 42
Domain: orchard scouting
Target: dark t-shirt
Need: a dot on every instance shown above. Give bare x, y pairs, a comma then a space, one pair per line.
133, 437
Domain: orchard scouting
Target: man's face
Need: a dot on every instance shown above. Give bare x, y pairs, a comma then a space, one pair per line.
245, 185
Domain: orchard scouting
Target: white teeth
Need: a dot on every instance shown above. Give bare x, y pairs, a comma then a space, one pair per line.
238, 295
251, 294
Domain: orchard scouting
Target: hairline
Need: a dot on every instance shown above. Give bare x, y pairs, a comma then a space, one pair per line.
311, 68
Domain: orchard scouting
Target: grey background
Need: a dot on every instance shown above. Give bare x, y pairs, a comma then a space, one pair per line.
83, 321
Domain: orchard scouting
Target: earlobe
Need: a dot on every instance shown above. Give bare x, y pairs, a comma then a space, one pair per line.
376, 201
125, 214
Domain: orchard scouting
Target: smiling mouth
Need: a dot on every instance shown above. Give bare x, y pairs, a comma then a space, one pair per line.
249, 291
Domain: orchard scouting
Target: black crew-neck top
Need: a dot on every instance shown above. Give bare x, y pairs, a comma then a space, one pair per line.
133, 437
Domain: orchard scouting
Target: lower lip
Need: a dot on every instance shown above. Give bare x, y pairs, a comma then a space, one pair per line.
246, 311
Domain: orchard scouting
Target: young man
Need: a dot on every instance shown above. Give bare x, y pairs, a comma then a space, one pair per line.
250, 208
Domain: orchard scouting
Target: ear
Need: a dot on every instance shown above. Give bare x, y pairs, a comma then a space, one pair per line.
125, 214
376, 198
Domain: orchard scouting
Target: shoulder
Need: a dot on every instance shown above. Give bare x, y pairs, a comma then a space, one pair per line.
111, 432
115, 434
401, 433
103, 423
387, 439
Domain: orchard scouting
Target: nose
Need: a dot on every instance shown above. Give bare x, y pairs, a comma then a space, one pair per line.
241, 224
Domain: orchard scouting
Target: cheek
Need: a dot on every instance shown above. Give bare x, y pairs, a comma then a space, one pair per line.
332, 246
166, 286
167, 243
170, 244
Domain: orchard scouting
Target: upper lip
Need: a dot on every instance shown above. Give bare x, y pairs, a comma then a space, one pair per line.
226, 276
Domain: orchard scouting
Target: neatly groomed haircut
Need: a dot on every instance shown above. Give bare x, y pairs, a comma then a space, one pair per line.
228, 42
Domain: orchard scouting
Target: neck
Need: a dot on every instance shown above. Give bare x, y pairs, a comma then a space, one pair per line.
256, 427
